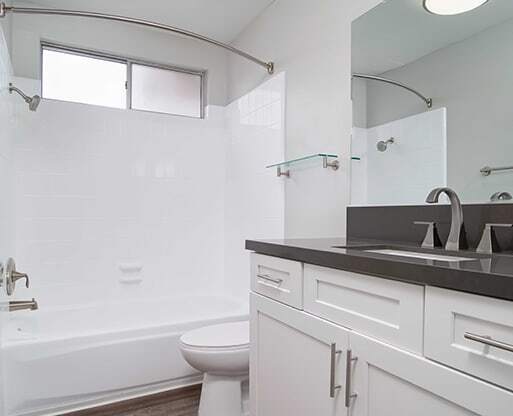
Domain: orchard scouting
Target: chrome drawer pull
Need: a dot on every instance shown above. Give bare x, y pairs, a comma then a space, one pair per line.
488, 341
349, 363
270, 279
333, 356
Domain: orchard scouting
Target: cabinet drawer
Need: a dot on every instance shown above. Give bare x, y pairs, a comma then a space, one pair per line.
453, 320
279, 279
384, 309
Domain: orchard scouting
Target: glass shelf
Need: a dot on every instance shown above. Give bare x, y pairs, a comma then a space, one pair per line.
356, 158
302, 159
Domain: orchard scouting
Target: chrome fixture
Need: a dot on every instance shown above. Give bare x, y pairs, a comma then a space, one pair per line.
456, 235
9, 276
383, 145
427, 101
327, 162
431, 240
33, 101
267, 278
280, 172
349, 394
451, 8
4, 9
22, 305
335, 165
501, 196
487, 170
333, 365
488, 243
489, 341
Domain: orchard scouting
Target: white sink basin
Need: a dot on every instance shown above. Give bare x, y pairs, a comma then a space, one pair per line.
417, 255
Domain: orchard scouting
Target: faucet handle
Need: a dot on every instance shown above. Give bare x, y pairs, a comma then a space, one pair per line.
432, 239
9, 276
488, 243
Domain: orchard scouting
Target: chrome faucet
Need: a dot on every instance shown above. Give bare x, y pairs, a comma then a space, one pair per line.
455, 235
22, 305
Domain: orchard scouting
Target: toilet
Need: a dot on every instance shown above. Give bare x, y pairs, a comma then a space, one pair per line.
221, 352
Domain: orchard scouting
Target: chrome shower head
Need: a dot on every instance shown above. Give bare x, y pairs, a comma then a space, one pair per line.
33, 101
383, 145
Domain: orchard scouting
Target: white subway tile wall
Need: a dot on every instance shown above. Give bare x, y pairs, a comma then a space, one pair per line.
410, 167
255, 206
114, 204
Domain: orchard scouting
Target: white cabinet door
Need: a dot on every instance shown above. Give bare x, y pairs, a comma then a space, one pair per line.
292, 369
392, 382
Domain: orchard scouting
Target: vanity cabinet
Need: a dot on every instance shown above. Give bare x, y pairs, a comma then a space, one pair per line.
297, 362
389, 381
364, 346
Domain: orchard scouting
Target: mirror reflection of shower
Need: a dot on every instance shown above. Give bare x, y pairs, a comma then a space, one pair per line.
33, 102
382, 145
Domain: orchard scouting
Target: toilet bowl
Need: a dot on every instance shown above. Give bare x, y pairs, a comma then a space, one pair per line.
221, 352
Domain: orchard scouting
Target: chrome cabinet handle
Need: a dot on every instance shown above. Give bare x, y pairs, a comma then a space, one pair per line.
270, 279
333, 363
349, 395
9, 276
488, 341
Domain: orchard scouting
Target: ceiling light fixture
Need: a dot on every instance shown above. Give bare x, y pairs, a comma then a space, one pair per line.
452, 7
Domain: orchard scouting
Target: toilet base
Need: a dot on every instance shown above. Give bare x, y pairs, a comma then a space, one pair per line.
221, 395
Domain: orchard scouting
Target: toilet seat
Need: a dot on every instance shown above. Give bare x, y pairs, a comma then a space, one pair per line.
228, 336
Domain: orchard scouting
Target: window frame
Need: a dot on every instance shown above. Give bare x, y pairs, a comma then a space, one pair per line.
129, 62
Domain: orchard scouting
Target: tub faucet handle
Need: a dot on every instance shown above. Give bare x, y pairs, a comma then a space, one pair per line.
17, 276
9, 276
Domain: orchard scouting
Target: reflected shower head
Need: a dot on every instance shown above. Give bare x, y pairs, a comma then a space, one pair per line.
383, 145
33, 102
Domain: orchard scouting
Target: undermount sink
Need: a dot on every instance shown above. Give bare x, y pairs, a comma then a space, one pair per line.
418, 255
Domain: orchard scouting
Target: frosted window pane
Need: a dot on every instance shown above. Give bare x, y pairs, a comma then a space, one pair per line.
81, 79
166, 91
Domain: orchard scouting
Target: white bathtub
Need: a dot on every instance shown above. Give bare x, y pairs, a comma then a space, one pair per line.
62, 360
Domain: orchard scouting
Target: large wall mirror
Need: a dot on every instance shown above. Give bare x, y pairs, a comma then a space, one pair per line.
432, 102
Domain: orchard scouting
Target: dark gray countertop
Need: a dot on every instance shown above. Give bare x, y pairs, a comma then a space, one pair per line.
488, 275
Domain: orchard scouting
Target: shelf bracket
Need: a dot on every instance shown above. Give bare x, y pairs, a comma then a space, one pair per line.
335, 165
280, 172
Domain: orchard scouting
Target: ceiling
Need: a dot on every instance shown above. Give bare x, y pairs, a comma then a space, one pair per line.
398, 32
222, 20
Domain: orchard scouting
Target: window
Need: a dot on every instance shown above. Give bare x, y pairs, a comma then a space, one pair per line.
91, 78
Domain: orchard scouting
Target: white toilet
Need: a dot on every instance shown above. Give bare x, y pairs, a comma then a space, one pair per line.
221, 352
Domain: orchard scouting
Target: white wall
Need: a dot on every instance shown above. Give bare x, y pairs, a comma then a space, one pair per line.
99, 188
410, 167
311, 42
116, 38
254, 195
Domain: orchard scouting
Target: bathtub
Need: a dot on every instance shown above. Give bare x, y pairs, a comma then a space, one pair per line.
66, 359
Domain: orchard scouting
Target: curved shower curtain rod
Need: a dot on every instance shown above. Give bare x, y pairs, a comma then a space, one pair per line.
428, 101
4, 9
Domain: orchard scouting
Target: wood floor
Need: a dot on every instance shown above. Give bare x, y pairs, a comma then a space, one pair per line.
180, 402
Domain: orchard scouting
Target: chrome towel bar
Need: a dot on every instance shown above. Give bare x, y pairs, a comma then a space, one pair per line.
487, 170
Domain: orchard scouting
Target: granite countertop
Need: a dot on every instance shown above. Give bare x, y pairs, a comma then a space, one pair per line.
488, 275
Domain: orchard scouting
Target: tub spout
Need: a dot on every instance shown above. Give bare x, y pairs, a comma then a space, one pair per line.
22, 305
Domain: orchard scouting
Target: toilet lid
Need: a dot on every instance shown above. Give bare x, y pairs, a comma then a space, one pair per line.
234, 334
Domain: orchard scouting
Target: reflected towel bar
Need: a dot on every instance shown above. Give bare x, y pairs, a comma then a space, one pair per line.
4, 9
428, 101
487, 170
